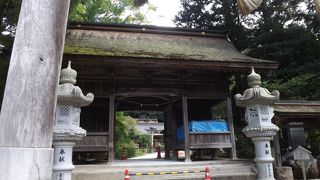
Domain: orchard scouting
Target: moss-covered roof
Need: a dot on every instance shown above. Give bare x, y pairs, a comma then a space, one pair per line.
153, 42
296, 107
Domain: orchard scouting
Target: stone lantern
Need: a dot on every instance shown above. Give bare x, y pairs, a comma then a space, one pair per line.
67, 128
258, 102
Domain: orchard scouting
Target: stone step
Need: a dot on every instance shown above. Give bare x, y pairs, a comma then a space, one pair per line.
117, 176
225, 172
229, 171
247, 176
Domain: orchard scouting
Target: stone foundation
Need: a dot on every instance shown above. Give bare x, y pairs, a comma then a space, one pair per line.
284, 173
26, 163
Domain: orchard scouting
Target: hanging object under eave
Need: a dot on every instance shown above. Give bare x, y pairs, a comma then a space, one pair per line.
138, 3
247, 6
317, 5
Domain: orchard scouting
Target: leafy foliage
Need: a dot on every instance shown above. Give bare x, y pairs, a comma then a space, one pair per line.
128, 137
107, 11
297, 52
313, 140
279, 30
244, 145
211, 14
3, 74
282, 31
8, 21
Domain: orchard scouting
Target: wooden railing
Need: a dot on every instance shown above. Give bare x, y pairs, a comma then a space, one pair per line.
93, 142
206, 140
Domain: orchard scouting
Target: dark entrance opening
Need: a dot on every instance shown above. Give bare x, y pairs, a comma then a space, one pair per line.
145, 118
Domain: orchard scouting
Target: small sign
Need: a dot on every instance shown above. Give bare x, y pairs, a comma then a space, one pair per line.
301, 153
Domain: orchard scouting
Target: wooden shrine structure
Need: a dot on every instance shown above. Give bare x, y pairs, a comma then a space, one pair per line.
295, 114
181, 72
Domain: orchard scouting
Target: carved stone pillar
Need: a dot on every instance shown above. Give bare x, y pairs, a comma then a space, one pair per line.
67, 128
258, 102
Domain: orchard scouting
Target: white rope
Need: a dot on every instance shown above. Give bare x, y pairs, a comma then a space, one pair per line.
138, 3
247, 6
317, 5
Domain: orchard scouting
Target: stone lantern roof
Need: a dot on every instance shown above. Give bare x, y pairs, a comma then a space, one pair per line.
256, 94
68, 75
68, 94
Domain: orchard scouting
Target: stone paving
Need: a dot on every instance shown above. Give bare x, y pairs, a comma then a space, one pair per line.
219, 169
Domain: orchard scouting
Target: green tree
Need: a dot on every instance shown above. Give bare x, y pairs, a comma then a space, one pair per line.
107, 11
8, 21
297, 51
279, 31
212, 14
3, 74
128, 137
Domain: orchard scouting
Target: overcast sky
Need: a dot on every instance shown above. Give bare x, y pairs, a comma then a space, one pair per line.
166, 10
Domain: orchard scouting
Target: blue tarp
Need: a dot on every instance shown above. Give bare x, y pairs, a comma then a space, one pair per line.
217, 125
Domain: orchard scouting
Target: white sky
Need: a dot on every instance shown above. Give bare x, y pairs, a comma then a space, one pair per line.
167, 9
165, 13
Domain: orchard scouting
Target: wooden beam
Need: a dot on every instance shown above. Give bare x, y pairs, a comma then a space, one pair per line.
186, 128
111, 149
149, 91
231, 126
26, 118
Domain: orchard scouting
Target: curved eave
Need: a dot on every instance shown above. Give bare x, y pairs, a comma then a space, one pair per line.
149, 44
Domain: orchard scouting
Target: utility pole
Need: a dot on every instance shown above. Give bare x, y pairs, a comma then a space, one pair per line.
30, 95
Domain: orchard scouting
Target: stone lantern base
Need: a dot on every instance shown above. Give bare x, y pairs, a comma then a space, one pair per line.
263, 158
62, 163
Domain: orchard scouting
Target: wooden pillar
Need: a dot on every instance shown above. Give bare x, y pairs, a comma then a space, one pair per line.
231, 126
152, 143
111, 149
186, 128
277, 152
170, 126
29, 102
